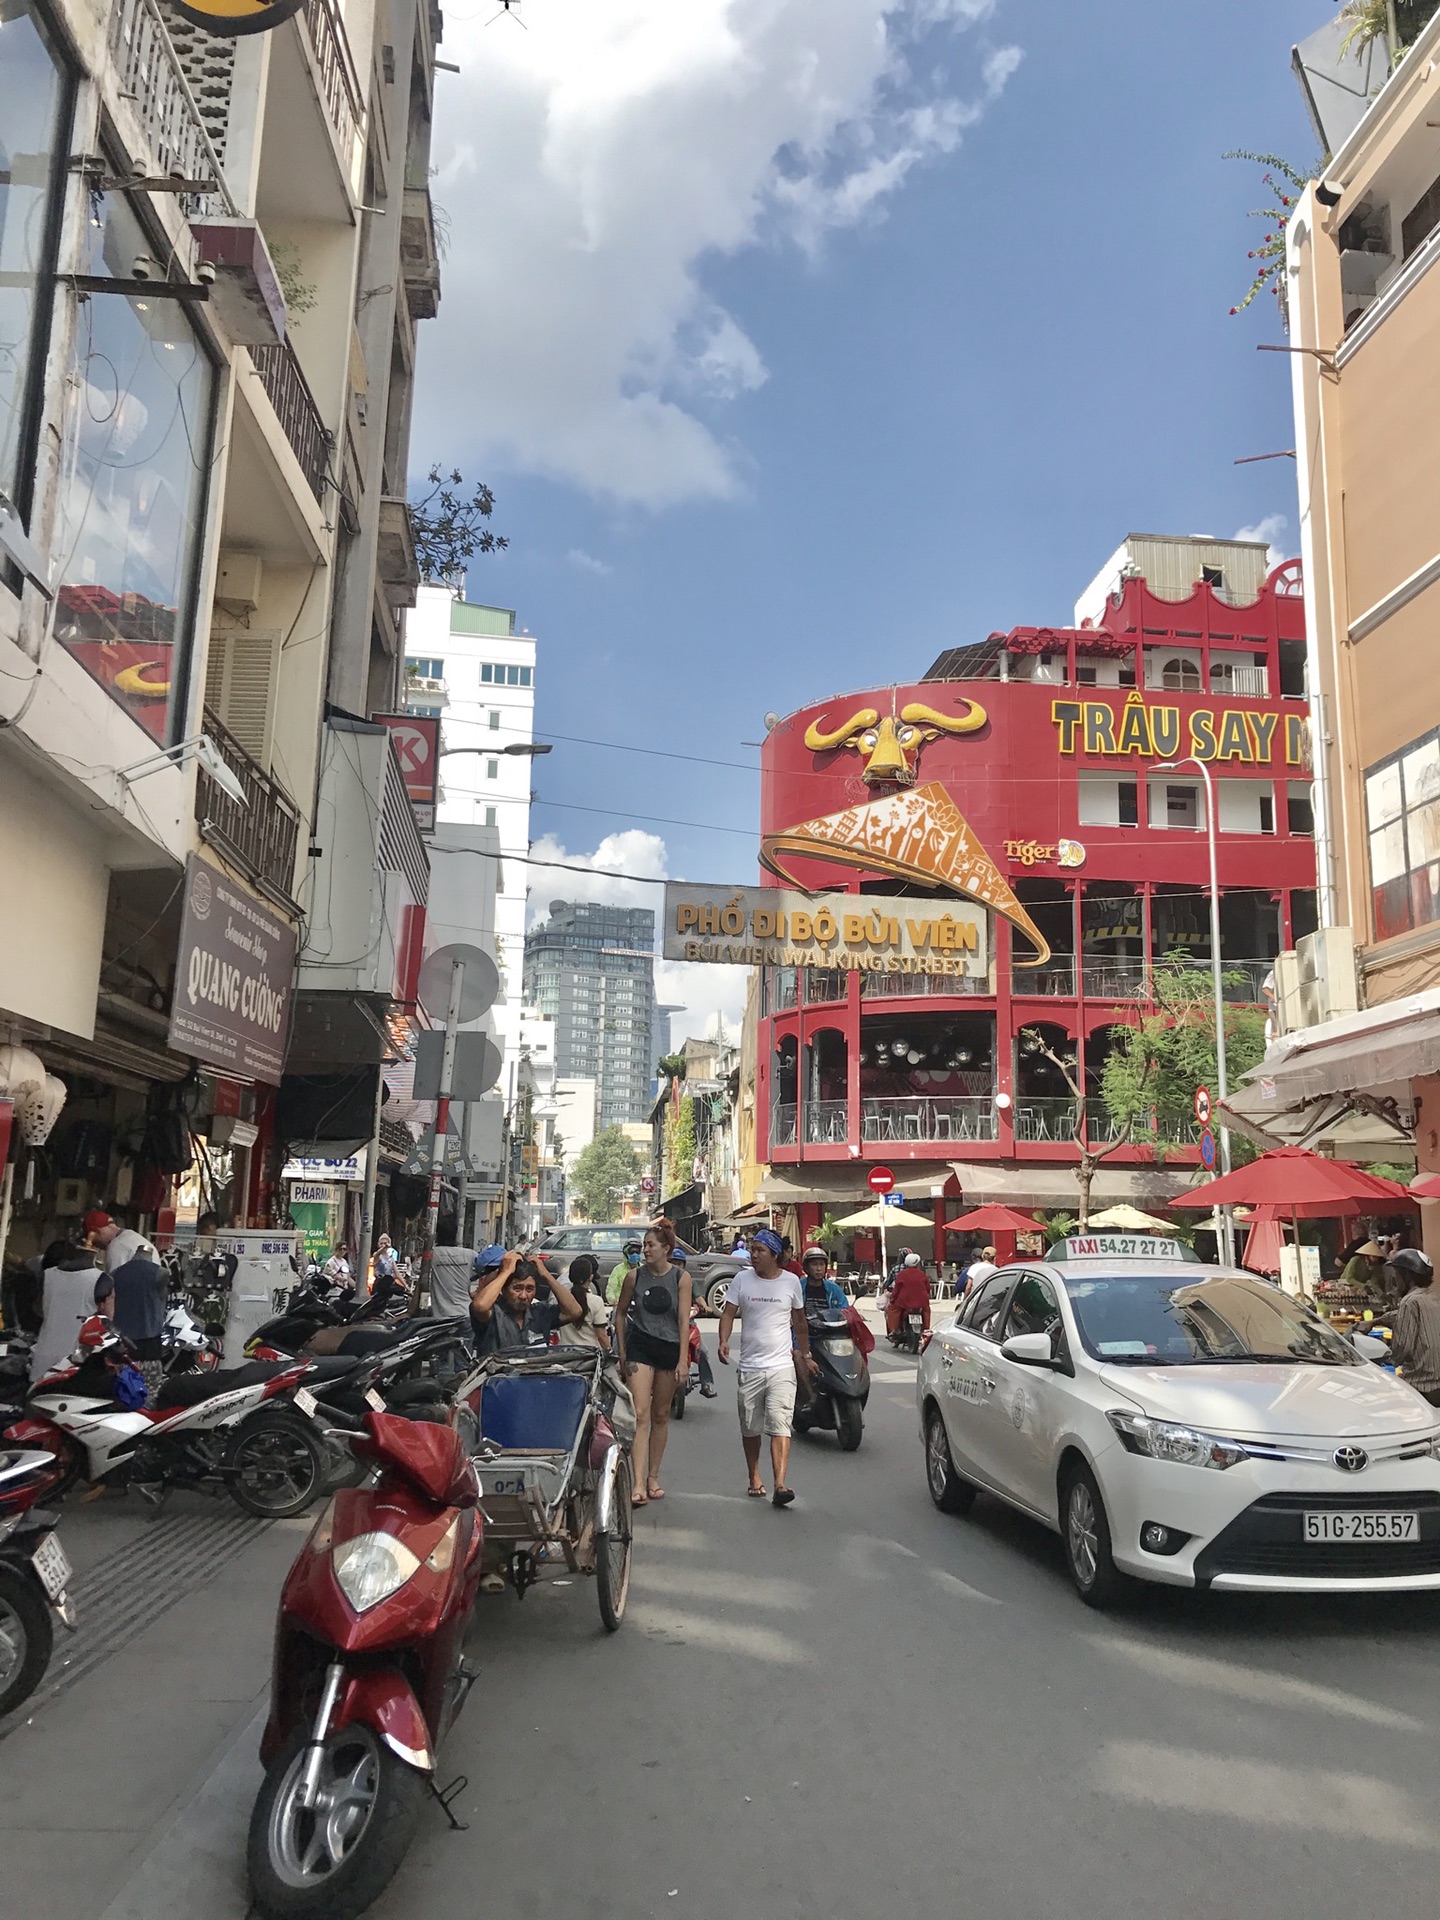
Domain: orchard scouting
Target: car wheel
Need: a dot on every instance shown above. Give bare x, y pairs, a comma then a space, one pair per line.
950, 1493
718, 1294
1086, 1530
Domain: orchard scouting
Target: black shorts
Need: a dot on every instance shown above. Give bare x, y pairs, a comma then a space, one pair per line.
663, 1355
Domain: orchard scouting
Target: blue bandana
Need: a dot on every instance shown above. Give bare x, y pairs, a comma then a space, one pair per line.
768, 1239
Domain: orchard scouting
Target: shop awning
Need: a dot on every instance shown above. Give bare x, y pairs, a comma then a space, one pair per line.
829, 1184
1051, 1186
1343, 1087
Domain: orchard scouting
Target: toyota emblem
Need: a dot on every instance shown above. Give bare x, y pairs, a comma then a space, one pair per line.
1351, 1459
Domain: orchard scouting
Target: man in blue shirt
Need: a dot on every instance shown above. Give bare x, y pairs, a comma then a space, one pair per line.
820, 1289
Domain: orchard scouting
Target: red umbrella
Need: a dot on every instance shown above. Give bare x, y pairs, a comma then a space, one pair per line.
1304, 1185
1426, 1186
994, 1219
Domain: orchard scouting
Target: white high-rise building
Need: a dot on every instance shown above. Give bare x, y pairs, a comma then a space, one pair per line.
467, 663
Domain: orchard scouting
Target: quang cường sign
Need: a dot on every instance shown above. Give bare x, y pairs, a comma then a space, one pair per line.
840, 932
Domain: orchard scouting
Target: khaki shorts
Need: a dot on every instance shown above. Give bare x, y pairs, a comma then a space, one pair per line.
766, 1402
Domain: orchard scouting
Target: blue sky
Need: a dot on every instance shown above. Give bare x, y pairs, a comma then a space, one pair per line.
767, 424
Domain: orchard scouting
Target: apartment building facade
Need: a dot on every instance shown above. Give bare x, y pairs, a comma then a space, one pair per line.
591, 969
1356, 1065
217, 250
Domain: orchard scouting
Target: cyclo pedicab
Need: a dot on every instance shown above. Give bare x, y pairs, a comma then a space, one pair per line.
549, 1430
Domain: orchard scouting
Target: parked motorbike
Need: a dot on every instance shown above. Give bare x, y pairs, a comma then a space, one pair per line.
841, 1385
185, 1346
368, 1674
202, 1431
34, 1573
333, 1322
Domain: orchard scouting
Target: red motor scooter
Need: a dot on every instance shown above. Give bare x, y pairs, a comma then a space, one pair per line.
368, 1673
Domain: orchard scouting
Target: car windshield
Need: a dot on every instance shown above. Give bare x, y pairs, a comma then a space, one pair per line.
1165, 1320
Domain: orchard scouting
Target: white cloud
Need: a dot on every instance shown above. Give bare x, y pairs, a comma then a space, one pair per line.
587, 563
634, 852
1269, 530
700, 992
589, 166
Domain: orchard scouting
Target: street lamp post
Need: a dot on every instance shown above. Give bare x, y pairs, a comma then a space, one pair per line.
1227, 1220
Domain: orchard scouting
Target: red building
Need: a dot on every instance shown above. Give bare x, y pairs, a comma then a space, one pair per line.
1050, 741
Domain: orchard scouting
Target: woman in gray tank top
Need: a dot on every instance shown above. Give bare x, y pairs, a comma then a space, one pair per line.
652, 1331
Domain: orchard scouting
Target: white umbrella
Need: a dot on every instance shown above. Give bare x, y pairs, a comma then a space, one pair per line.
884, 1217
1131, 1219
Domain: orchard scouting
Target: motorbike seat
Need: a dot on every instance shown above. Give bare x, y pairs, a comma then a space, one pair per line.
190, 1389
322, 1371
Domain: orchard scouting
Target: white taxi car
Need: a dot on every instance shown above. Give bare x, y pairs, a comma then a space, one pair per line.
1179, 1423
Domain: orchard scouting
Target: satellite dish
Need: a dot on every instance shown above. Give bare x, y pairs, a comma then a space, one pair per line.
479, 986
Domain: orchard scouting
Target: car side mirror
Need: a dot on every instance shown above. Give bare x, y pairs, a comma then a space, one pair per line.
1370, 1347
1028, 1349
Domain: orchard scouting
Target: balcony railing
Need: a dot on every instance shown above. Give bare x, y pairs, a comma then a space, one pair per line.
827, 1123
1242, 981
335, 69
782, 1126
1252, 681
916, 986
261, 837
1044, 1117
1056, 979
295, 408
927, 1117
1103, 1129
149, 74
823, 986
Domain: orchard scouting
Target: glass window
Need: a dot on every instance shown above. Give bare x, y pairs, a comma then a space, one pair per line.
1034, 1308
1180, 675
492, 769
525, 676
1402, 804
131, 516
489, 816
494, 719
981, 1312
1163, 1320
487, 674
34, 122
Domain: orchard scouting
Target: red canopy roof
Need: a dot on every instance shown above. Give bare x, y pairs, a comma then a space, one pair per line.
994, 1219
1302, 1184
1426, 1186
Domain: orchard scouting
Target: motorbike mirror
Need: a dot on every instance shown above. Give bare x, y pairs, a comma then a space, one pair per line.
1028, 1349
1370, 1347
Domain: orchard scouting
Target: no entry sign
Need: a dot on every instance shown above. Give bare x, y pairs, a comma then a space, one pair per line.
880, 1180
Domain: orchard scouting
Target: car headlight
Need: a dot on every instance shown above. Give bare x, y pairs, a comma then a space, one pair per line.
1162, 1440
371, 1567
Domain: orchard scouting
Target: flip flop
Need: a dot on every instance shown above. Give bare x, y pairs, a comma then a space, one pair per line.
756, 1493
639, 1499
783, 1496
657, 1493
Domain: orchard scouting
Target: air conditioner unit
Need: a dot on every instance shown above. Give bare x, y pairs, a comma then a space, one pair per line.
1288, 1013
1326, 963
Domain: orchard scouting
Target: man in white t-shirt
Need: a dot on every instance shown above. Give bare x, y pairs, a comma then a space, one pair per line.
770, 1304
980, 1270
118, 1244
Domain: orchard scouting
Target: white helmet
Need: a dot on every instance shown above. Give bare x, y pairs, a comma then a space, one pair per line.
912, 1259
814, 1253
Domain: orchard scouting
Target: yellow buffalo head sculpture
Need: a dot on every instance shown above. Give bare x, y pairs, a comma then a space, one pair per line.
891, 744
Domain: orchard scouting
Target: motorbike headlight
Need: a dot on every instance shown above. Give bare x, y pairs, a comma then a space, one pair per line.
1162, 1440
371, 1567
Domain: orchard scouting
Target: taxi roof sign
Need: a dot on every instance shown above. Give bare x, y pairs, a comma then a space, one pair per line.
1122, 1246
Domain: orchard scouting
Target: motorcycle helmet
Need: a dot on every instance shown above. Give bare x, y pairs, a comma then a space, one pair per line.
814, 1253
99, 1340
1415, 1265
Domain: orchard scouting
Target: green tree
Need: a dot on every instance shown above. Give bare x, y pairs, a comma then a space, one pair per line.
604, 1173
680, 1141
1151, 1073
1088, 1156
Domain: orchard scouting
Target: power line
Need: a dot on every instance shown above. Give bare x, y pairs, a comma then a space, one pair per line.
655, 819
654, 753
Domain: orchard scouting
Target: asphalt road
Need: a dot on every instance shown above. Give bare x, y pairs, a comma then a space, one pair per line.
862, 1705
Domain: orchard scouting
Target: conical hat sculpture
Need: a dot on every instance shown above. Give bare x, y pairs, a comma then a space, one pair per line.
918, 835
